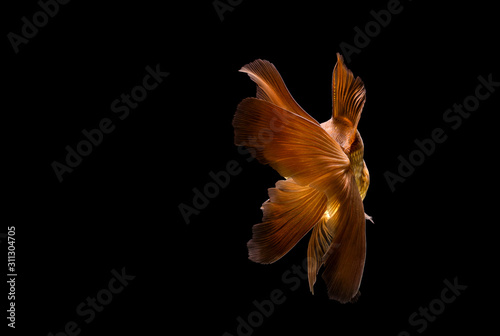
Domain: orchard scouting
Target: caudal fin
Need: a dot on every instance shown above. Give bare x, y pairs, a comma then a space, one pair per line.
345, 258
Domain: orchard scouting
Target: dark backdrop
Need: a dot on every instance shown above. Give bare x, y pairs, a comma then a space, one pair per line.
117, 211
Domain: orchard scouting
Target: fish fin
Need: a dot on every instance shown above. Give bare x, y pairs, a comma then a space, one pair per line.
349, 96
289, 214
271, 87
291, 144
345, 259
319, 243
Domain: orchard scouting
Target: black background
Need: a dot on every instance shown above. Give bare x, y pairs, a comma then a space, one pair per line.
119, 207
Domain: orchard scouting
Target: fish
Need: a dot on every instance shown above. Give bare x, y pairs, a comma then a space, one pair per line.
325, 177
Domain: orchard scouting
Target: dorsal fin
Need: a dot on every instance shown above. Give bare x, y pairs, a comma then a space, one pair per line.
349, 97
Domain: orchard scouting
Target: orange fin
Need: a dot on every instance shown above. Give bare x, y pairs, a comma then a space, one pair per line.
271, 87
345, 259
319, 243
291, 144
349, 97
291, 211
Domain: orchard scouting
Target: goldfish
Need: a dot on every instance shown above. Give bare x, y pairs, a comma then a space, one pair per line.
325, 177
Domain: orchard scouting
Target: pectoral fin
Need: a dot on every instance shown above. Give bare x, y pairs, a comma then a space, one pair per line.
291, 211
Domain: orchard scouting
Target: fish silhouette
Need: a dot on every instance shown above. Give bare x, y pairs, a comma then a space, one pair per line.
326, 178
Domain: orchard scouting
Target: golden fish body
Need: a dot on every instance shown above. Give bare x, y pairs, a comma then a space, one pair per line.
355, 151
